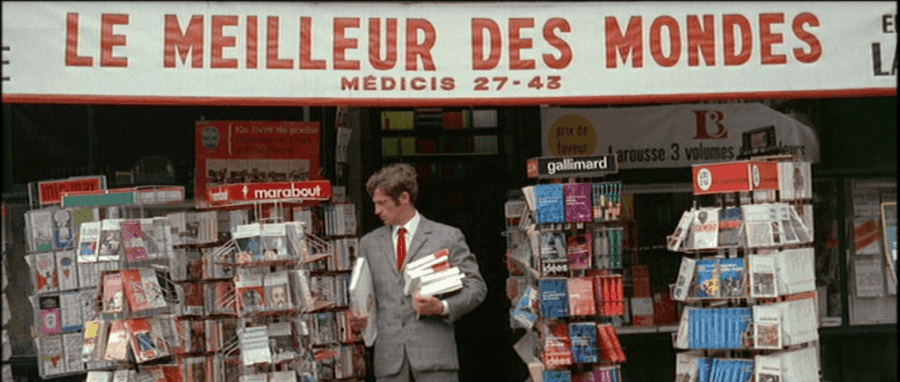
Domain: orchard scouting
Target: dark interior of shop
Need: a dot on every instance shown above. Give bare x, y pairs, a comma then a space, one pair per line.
155, 145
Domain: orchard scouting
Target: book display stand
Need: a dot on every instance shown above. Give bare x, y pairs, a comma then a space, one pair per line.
564, 253
748, 274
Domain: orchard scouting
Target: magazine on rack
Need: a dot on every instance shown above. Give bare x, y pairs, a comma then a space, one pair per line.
762, 276
766, 327
110, 247
675, 242
66, 269
88, 241
705, 229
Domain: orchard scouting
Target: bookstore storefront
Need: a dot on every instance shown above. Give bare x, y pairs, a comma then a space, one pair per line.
188, 97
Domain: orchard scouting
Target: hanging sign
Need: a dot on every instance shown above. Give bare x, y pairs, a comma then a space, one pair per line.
571, 167
238, 152
269, 192
444, 53
668, 136
51, 192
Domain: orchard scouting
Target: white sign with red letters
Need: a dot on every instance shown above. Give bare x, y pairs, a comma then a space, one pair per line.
378, 53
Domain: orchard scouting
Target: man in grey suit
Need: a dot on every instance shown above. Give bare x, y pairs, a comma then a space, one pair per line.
415, 340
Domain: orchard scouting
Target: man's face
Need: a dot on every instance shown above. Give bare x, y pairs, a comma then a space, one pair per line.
387, 209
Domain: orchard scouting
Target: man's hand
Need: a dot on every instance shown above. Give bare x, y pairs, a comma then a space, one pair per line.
427, 305
357, 322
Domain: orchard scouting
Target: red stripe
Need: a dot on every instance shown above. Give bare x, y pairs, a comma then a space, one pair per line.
413, 102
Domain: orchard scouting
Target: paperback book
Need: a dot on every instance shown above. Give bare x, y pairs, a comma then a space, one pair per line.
551, 207
762, 276
731, 275
675, 242
526, 308
72, 344
362, 298
40, 230
274, 242
50, 356
281, 343
247, 238
88, 241
705, 229
117, 342
277, 291
579, 250
708, 278
63, 229
583, 337
110, 245
133, 240
113, 293
44, 273
557, 348
766, 327
250, 292
67, 269
682, 289
51, 317
730, 222
146, 338
554, 298
581, 296
578, 202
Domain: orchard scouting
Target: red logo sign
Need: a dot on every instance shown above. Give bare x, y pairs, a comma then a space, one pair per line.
52, 191
262, 192
714, 117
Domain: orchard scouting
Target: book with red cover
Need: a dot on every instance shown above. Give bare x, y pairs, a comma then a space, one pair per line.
133, 241
581, 296
250, 292
579, 249
146, 339
610, 347
557, 349
640, 278
138, 298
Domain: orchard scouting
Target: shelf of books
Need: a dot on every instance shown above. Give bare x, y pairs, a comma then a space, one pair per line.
747, 276
564, 252
239, 293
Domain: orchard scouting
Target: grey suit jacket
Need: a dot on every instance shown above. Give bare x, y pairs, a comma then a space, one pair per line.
429, 341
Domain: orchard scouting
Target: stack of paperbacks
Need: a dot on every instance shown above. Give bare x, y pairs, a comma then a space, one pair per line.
432, 275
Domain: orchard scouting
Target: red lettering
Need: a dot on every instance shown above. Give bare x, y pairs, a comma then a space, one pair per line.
272, 60
306, 60
565, 51
108, 40
375, 44
414, 48
341, 43
701, 38
517, 43
72, 57
219, 41
716, 116
191, 41
656, 41
629, 43
478, 27
767, 38
815, 46
728, 24
417, 83
252, 42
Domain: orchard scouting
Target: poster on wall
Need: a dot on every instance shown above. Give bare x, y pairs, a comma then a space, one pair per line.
671, 136
231, 152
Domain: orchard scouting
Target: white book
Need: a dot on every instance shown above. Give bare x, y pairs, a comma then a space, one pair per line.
444, 286
800, 323
767, 368
437, 276
795, 271
88, 275
50, 356
686, 364
802, 224
67, 269
758, 220
705, 229
762, 276
675, 242
261, 377
110, 247
686, 270
70, 311
786, 190
254, 345
429, 260
767, 327
123, 375
99, 376
283, 376
362, 298
274, 241
530, 197
72, 344
682, 336
785, 226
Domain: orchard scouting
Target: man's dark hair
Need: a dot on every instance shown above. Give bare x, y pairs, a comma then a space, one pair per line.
393, 181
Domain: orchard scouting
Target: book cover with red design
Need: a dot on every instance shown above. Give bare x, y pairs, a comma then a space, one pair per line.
581, 296
557, 348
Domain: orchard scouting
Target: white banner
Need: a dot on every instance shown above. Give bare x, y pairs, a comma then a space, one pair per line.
444, 53
670, 135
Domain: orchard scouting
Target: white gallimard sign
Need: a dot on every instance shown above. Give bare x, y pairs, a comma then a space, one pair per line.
444, 53
673, 135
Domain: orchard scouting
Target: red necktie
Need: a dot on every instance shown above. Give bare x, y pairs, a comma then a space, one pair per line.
401, 247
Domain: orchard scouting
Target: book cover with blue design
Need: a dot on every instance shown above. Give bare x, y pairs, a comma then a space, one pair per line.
557, 376
551, 205
708, 282
583, 336
554, 298
731, 277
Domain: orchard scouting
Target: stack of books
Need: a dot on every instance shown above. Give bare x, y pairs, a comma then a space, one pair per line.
432, 275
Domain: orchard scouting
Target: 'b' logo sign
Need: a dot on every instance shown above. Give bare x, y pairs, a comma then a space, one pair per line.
713, 117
